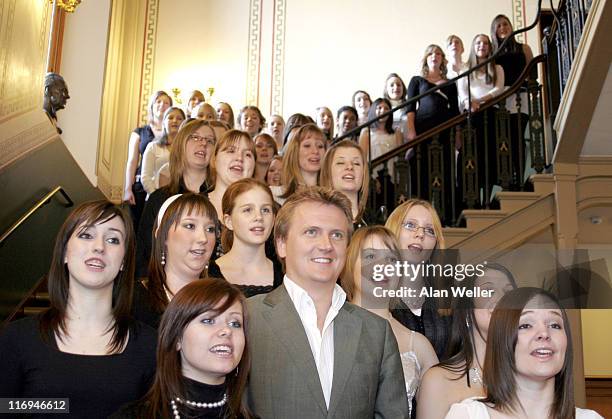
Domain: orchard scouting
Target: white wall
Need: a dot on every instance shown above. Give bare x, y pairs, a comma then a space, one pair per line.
202, 44
332, 47
82, 66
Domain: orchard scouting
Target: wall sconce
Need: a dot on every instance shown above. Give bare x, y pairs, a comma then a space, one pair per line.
68, 5
176, 96
211, 92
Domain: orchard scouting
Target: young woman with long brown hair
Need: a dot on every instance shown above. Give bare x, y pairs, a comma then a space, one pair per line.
85, 347
202, 356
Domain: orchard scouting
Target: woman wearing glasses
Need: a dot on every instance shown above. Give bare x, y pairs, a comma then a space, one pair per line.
418, 230
189, 172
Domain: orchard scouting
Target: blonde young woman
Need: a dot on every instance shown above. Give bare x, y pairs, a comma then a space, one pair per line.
376, 245
225, 113
204, 111
325, 121
302, 161
248, 214
273, 174
429, 112
233, 159
345, 169
276, 128
157, 153
417, 228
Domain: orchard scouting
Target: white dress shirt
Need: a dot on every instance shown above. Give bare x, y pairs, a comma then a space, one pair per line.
321, 343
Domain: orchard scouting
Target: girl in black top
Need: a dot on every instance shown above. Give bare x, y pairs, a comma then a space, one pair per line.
184, 237
134, 193
85, 346
513, 58
433, 182
202, 356
248, 212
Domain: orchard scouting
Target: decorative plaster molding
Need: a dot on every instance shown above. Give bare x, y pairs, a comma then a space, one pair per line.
25, 142
518, 18
254, 52
146, 86
278, 57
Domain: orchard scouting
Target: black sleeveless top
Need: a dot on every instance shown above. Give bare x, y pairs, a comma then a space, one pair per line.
513, 62
251, 290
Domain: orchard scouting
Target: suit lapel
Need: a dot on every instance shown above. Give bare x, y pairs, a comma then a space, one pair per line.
347, 333
285, 321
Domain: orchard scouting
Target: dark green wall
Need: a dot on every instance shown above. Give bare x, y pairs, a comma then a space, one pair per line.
25, 255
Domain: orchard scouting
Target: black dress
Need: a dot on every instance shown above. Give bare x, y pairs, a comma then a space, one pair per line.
196, 391
251, 290
95, 384
514, 61
430, 164
146, 135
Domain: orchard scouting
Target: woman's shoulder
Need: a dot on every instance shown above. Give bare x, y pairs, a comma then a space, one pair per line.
130, 410
21, 330
587, 414
470, 408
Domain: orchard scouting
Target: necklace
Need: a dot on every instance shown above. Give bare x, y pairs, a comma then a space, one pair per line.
475, 376
190, 403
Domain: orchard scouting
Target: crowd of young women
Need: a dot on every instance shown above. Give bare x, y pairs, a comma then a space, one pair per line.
204, 245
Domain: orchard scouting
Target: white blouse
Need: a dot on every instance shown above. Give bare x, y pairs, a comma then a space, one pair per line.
479, 88
154, 157
473, 409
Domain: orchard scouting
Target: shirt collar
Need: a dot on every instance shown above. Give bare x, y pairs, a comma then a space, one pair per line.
299, 295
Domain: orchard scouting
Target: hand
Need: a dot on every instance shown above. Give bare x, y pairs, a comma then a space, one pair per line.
475, 106
128, 197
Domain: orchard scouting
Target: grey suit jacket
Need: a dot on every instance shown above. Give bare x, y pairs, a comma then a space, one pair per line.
368, 381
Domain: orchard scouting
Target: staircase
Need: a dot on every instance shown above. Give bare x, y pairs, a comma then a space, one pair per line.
525, 211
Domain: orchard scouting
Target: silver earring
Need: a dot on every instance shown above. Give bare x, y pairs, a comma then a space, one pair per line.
467, 322
163, 259
236, 371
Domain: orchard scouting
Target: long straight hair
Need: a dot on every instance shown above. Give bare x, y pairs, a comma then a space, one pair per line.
461, 350
499, 373
53, 320
372, 114
178, 159
325, 178
291, 176
188, 203
490, 73
212, 295
511, 45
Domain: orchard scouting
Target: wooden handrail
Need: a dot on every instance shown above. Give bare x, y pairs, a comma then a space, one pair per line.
357, 130
28, 214
459, 118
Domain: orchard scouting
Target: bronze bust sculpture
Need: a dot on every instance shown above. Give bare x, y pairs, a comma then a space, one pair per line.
56, 95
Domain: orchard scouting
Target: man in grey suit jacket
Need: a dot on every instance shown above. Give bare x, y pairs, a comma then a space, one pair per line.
313, 354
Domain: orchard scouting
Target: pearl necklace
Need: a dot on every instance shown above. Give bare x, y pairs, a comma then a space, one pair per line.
190, 403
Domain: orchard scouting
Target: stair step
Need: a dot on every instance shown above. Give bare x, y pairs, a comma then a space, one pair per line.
543, 184
514, 201
32, 311
454, 235
481, 219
